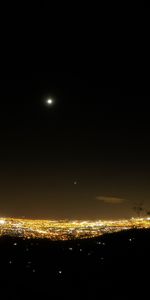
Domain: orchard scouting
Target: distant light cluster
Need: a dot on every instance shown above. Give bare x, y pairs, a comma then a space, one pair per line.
66, 230
2, 221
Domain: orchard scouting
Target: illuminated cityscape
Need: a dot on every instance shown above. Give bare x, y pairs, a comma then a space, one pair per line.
65, 229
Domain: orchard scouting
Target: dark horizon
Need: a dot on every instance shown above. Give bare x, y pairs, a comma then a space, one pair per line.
84, 157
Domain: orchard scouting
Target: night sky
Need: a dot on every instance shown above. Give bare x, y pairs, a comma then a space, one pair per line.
84, 156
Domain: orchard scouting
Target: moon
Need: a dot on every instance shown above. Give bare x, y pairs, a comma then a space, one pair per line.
49, 101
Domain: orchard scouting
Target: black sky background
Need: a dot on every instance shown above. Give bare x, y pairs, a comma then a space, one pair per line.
96, 136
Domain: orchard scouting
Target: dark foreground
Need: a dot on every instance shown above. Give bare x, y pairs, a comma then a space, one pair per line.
114, 266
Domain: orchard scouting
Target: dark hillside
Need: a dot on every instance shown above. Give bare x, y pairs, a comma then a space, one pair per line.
115, 266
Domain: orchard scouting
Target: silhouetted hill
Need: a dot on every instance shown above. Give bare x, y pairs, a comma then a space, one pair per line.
113, 266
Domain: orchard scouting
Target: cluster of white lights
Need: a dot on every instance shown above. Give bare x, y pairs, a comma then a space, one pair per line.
2, 222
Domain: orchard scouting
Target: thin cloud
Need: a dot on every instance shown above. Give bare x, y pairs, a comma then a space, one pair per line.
110, 200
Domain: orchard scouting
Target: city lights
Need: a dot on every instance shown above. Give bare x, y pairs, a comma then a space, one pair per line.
66, 230
2, 222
